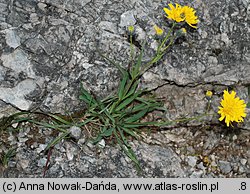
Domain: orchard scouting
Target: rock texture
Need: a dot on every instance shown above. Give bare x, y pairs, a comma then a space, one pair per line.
49, 47
54, 45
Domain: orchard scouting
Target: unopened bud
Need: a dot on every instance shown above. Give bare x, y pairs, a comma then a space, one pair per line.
158, 30
209, 95
181, 32
131, 29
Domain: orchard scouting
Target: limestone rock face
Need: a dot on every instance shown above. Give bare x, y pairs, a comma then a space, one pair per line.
56, 44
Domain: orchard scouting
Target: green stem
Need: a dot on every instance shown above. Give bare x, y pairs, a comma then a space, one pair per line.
150, 63
131, 48
183, 120
160, 51
192, 118
166, 38
170, 43
208, 106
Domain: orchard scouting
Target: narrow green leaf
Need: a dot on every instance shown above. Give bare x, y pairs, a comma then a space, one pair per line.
7, 156
22, 119
137, 116
131, 90
132, 156
145, 124
138, 107
141, 107
59, 128
109, 116
56, 140
87, 97
123, 137
128, 101
84, 98
133, 125
136, 69
85, 122
128, 151
97, 139
130, 132
118, 66
59, 119
108, 132
121, 88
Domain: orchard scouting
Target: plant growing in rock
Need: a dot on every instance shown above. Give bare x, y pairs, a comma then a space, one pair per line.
120, 115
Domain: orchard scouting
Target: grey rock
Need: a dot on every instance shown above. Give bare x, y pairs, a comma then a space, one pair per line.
2, 73
75, 132
102, 143
197, 174
201, 166
225, 167
41, 148
108, 26
71, 151
81, 141
192, 160
42, 6
243, 161
12, 39
42, 162
241, 169
127, 19
18, 62
16, 95
22, 139
69, 6
23, 163
163, 158
90, 145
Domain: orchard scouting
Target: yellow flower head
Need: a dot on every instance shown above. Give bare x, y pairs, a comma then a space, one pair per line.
180, 14
158, 30
233, 109
209, 93
174, 13
189, 16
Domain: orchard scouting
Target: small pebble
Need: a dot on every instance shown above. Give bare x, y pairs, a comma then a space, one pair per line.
42, 162
225, 167
243, 161
234, 137
192, 161
101, 143
75, 132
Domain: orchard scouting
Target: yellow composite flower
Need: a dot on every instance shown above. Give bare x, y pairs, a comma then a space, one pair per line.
174, 13
190, 17
158, 30
232, 108
180, 14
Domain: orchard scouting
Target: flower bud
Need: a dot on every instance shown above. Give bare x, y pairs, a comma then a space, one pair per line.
181, 32
209, 95
131, 29
158, 30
